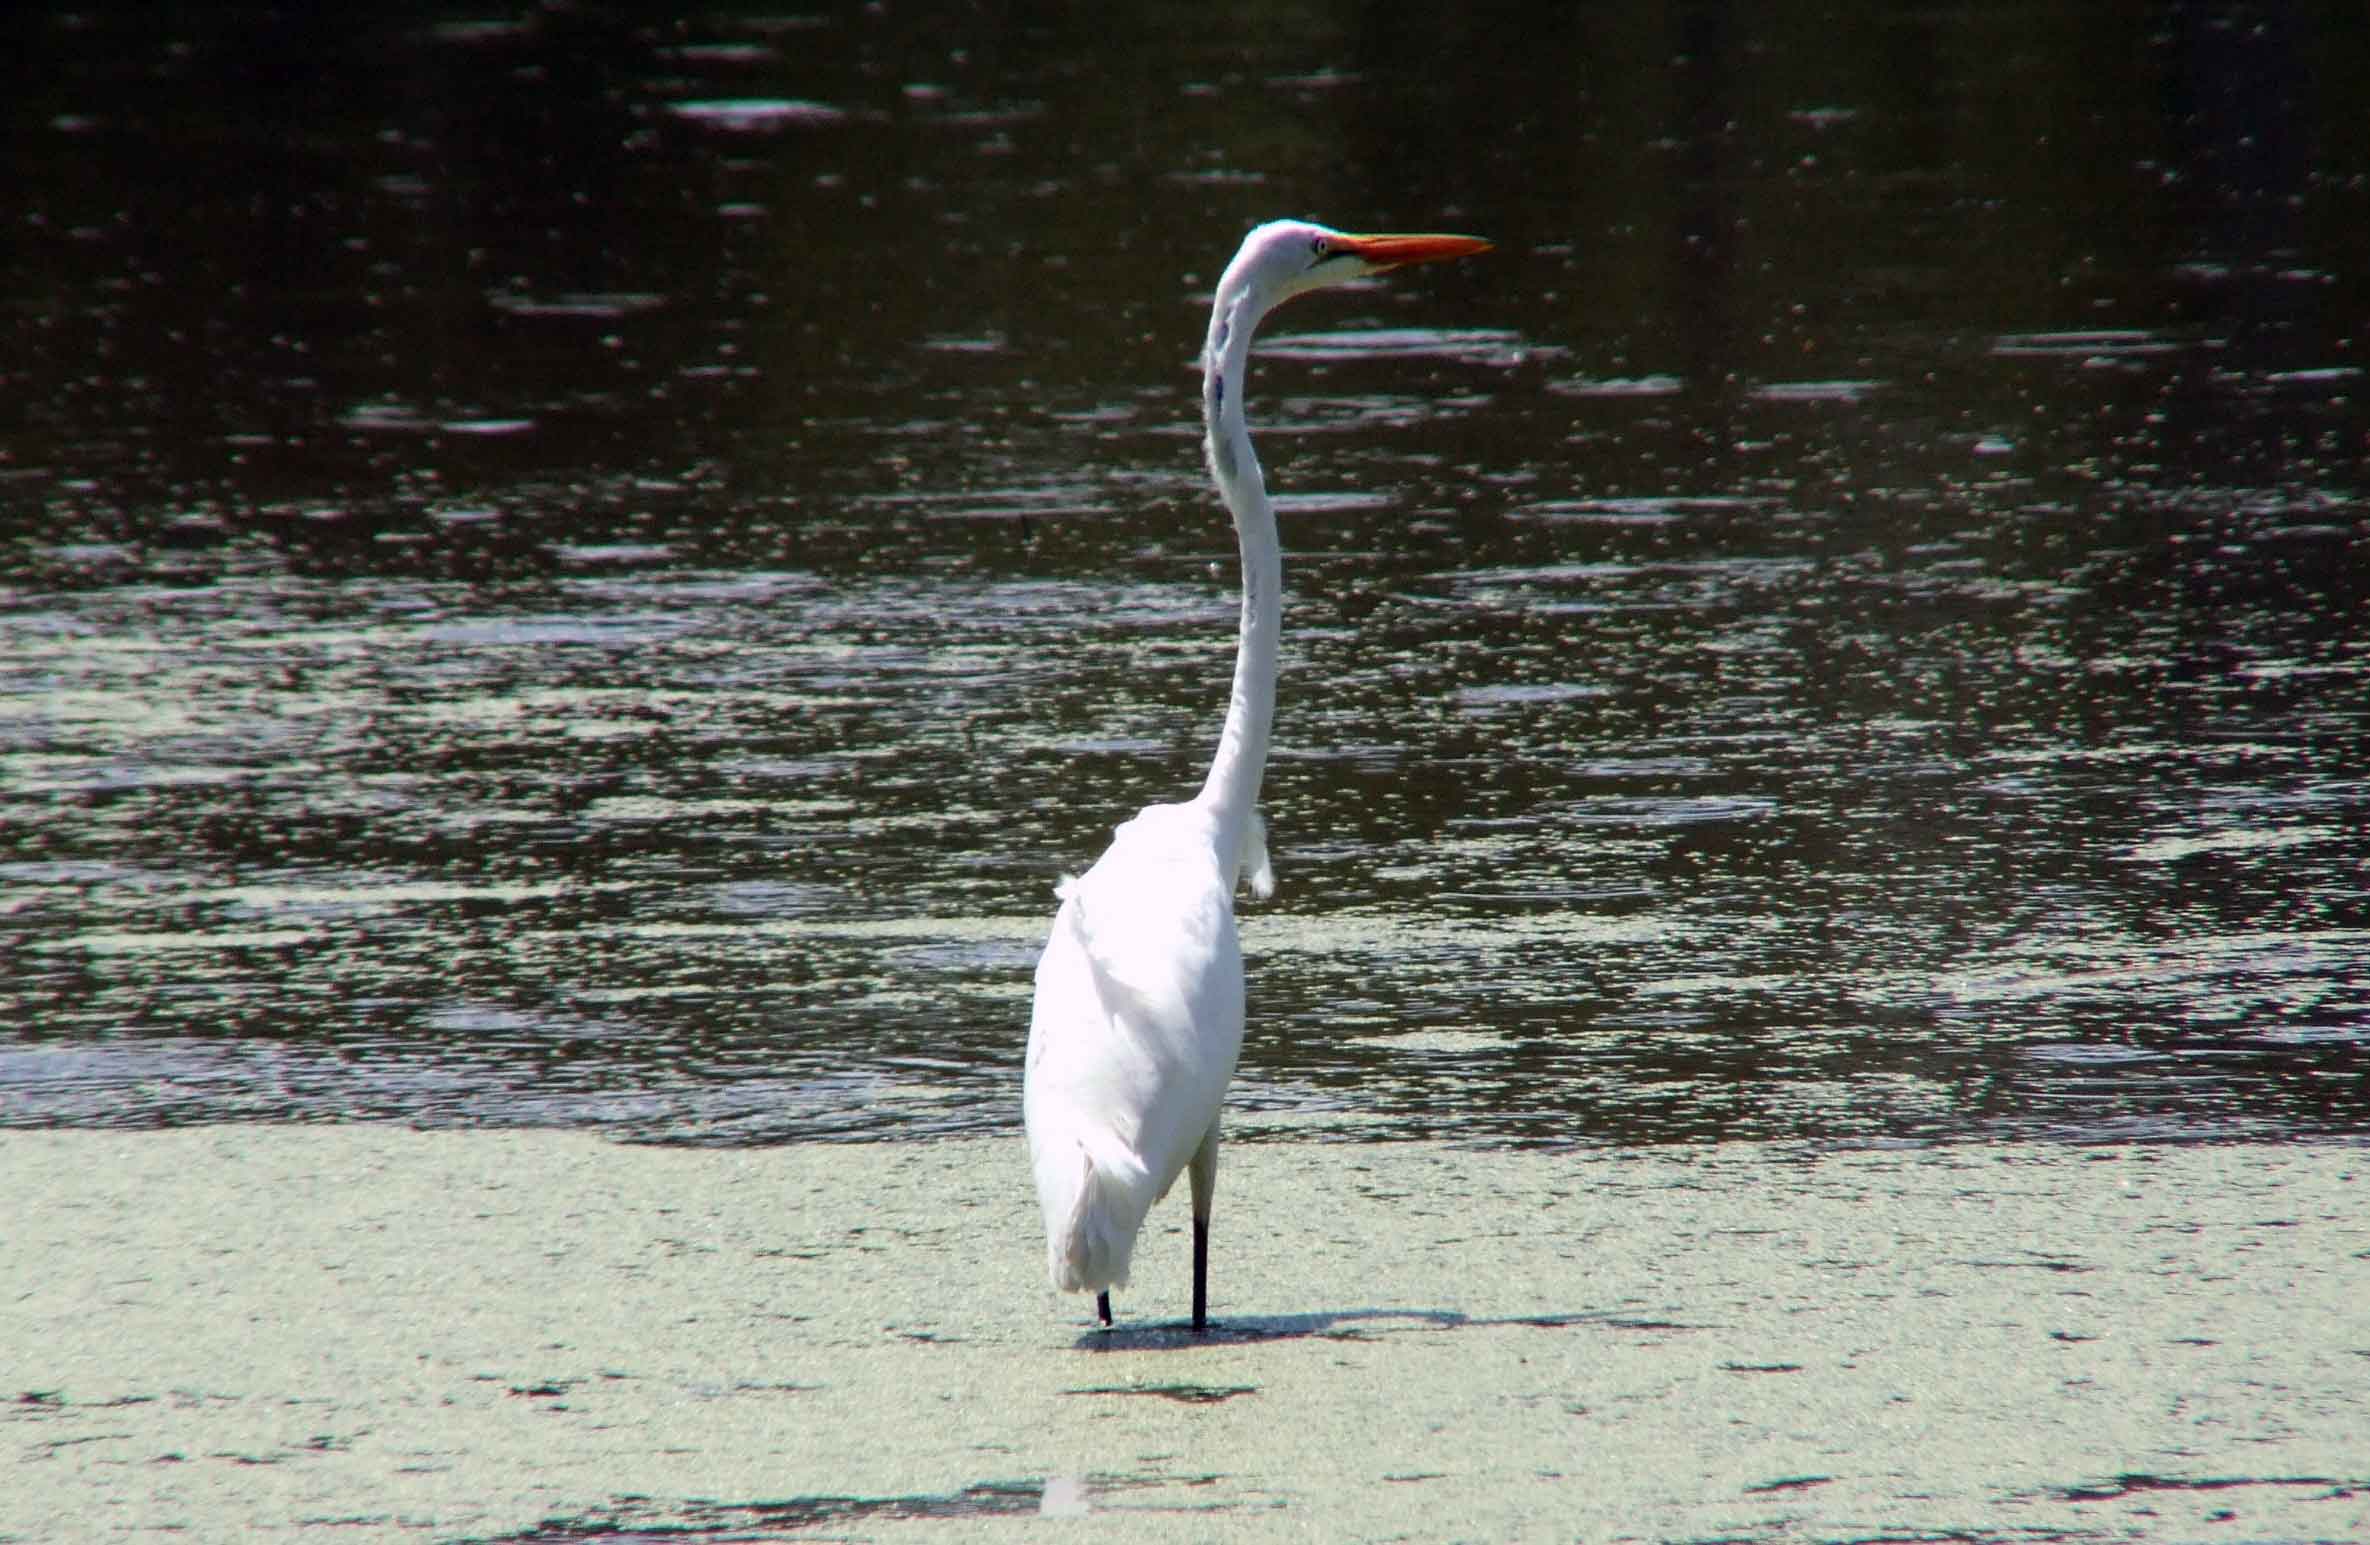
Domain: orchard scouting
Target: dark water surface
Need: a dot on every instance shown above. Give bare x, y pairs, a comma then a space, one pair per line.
556, 570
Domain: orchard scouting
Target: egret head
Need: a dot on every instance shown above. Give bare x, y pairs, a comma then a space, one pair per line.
1284, 258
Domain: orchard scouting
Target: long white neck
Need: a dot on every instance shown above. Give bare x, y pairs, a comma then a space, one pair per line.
1232, 789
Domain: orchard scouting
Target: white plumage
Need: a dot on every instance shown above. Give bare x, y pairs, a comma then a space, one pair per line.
1137, 1023
1138, 1017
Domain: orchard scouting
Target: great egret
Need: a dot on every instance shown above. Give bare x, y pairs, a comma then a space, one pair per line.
1139, 1010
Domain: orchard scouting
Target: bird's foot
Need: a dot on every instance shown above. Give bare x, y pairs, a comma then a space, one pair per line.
1102, 1306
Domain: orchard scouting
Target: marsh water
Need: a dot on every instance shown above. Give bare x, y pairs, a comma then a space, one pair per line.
556, 570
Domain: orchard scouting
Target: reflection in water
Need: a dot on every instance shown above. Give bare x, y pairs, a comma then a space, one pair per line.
567, 575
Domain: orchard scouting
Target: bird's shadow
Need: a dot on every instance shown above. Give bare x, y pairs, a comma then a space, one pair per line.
1334, 1325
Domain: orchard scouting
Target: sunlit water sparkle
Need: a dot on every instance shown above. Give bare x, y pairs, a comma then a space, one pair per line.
629, 639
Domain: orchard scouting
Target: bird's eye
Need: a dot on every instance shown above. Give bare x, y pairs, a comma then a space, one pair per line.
1321, 249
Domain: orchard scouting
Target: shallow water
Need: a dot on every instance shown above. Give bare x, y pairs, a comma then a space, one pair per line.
566, 574
512, 1336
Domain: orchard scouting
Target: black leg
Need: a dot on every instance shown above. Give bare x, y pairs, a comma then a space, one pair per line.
1102, 1305
1201, 1274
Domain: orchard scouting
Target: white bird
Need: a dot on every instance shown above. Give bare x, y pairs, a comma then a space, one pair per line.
1139, 1010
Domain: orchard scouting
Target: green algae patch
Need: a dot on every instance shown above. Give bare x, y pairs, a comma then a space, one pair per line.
362, 1332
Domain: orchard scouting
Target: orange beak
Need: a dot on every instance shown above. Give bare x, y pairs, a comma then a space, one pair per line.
1399, 251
